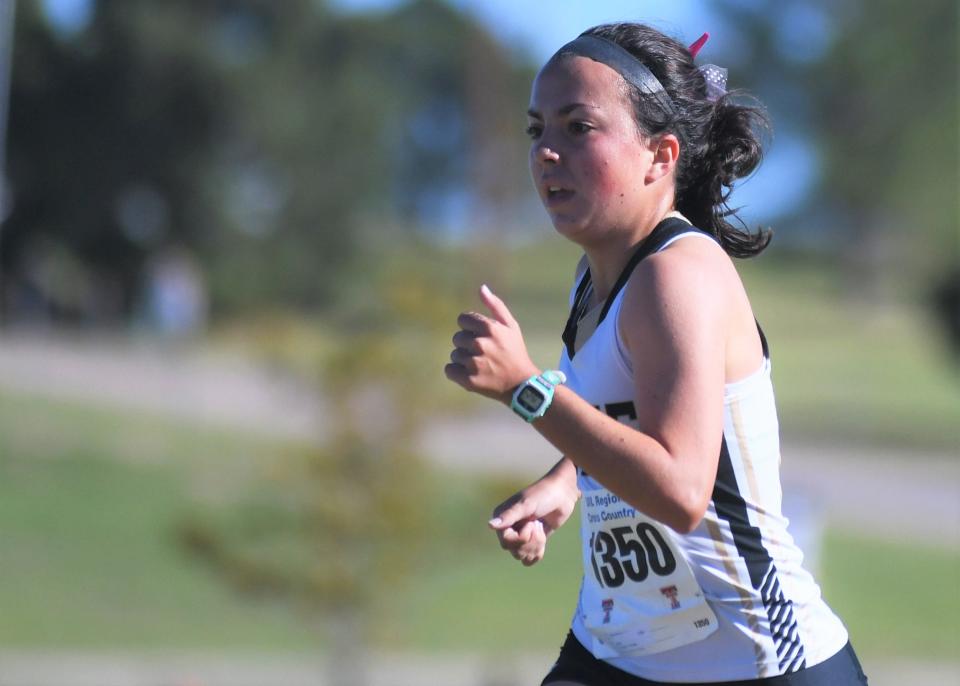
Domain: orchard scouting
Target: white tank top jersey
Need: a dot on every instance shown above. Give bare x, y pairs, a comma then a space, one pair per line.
728, 601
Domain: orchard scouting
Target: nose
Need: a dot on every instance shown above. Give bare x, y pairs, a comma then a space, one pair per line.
545, 154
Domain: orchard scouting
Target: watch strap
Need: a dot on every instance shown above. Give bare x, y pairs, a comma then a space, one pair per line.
554, 377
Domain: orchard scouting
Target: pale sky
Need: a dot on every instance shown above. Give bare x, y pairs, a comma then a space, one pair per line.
538, 29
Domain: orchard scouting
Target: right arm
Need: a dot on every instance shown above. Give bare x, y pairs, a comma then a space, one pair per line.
525, 520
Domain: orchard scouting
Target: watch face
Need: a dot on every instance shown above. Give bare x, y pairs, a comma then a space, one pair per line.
530, 399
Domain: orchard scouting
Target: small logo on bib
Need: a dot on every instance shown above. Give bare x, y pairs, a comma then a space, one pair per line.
607, 605
670, 593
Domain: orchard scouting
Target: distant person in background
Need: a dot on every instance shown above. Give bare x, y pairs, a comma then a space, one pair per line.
176, 295
662, 404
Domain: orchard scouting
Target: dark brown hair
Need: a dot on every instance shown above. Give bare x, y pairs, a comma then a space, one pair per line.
720, 141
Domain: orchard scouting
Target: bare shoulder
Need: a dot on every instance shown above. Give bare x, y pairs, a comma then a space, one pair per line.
692, 274
689, 297
694, 252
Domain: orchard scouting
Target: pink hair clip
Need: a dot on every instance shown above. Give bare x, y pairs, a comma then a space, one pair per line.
716, 77
697, 44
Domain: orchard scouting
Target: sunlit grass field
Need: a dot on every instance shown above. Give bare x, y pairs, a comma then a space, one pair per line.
87, 521
845, 369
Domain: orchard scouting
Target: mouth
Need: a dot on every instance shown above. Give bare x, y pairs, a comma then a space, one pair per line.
557, 194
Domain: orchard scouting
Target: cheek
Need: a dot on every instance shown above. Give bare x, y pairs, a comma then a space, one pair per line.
608, 178
610, 166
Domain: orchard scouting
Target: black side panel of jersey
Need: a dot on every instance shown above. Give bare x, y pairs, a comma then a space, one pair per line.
732, 508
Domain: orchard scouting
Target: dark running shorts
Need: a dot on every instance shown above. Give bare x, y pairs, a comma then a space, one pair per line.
577, 664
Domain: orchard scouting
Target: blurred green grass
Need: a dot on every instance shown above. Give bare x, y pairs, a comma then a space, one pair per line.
896, 599
844, 369
90, 560
88, 503
90, 498
496, 604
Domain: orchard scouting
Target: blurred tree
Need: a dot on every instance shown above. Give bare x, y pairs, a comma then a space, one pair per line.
381, 128
105, 136
877, 85
336, 528
888, 103
260, 135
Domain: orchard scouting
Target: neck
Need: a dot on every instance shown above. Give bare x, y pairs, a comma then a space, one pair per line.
608, 257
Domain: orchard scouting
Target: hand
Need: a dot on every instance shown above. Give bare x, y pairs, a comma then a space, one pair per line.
526, 541
524, 521
489, 356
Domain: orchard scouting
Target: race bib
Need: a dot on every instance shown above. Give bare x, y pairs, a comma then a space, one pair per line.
639, 595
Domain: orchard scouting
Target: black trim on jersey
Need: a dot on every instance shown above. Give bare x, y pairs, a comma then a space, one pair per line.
732, 508
577, 312
662, 232
763, 341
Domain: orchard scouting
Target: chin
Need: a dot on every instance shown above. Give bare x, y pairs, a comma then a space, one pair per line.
576, 231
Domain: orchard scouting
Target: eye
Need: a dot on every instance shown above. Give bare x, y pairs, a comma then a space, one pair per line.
534, 131
579, 127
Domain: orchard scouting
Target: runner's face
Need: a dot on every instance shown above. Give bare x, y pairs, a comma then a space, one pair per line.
587, 153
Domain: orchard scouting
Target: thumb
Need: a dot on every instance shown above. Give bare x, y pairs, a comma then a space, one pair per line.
496, 306
520, 510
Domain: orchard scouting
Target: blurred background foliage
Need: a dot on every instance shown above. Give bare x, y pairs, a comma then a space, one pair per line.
323, 191
276, 129
292, 130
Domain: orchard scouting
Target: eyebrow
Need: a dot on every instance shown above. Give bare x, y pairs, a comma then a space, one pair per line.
565, 110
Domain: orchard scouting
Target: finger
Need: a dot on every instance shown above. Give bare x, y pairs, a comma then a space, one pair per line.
522, 509
537, 546
516, 537
509, 539
536, 535
466, 340
475, 323
528, 531
464, 359
532, 559
457, 374
532, 548
496, 306
536, 539
520, 545
509, 502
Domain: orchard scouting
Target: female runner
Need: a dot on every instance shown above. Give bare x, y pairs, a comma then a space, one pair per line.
662, 404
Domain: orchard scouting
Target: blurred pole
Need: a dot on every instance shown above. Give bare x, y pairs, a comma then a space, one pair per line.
6, 52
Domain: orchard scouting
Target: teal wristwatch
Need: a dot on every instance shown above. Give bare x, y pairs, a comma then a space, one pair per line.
533, 396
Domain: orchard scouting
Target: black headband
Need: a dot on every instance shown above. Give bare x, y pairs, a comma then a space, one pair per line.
621, 61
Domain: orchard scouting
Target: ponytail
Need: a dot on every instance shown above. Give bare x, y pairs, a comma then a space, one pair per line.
732, 150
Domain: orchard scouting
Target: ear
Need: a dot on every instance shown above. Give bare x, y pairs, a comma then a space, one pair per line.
666, 151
